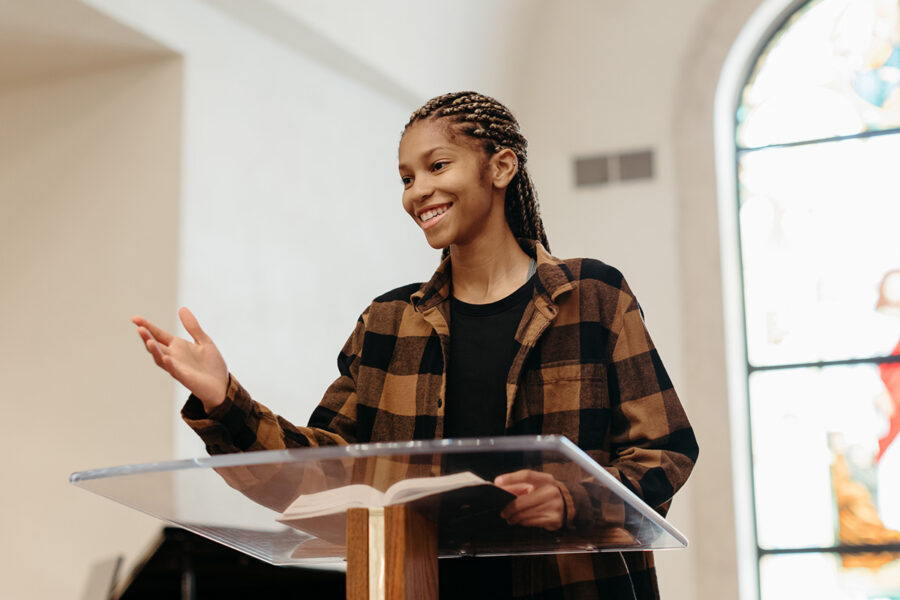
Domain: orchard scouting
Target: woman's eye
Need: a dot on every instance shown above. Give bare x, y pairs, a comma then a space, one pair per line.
438, 166
406, 181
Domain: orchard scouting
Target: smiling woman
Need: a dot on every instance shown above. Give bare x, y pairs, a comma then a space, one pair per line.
490, 129
504, 339
457, 197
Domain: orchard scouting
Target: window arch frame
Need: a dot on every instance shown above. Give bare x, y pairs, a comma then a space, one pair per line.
766, 22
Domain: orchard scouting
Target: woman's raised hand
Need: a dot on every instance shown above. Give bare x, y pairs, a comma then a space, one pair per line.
197, 365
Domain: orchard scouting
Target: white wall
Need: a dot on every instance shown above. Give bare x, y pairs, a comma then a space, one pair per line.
601, 80
428, 48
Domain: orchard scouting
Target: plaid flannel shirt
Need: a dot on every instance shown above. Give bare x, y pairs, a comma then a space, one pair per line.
585, 367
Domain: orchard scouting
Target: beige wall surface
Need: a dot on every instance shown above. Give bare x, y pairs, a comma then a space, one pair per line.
89, 185
717, 560
46, 38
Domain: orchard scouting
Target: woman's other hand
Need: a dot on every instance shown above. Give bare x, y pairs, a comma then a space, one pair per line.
197, 365
539, 501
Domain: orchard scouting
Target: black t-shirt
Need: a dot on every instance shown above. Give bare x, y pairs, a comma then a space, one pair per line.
482, 348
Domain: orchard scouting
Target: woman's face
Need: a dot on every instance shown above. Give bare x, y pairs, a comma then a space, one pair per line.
447, 189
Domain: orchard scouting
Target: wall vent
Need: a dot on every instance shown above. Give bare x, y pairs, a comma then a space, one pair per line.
608, 168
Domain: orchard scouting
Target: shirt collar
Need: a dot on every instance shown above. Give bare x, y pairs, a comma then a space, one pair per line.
553, 279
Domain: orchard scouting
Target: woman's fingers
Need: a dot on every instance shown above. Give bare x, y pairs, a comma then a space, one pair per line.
526, 502
523, 476
156, 352
165, 359
547, 514
192, 326
547, 520
152, 344
160, 334
159, 352
538, 502
173, 368
518, 489
541, 504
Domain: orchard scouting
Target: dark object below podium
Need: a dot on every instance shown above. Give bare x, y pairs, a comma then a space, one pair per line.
185, 566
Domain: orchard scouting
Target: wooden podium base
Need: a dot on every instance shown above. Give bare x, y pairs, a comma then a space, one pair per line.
391, 555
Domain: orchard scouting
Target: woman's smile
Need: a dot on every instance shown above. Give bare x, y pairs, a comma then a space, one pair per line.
431, 216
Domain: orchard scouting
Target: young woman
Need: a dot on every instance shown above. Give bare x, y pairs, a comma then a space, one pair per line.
504, 339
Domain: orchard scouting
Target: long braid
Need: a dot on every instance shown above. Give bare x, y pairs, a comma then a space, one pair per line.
483, 118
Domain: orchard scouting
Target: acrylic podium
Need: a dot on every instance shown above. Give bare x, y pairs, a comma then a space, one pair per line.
391, 551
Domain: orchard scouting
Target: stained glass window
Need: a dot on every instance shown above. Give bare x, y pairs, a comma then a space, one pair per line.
818, 163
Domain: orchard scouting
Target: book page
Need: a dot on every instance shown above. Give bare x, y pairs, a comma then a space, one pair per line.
331, 501
419, 487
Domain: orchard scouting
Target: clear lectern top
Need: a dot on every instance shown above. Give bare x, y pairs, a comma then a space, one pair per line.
235, 498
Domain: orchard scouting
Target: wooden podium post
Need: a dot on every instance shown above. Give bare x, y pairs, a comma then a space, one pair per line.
391, 555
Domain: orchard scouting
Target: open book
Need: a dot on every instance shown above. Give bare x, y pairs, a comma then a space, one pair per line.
323, 514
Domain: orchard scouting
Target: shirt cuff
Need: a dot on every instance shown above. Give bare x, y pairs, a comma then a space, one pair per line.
193, 409
568, 505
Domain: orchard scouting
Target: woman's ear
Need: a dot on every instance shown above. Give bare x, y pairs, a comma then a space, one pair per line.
504, 166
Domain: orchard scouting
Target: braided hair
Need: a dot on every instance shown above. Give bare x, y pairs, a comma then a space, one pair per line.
487, 121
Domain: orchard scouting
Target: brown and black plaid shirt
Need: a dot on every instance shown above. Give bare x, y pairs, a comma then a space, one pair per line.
585, 368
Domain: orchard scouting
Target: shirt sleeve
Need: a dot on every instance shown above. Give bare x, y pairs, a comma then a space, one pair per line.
240, 424
651, 445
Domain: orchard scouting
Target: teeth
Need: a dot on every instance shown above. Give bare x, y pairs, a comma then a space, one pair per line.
427, 216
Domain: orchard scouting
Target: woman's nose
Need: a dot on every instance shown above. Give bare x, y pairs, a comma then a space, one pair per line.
422, 188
